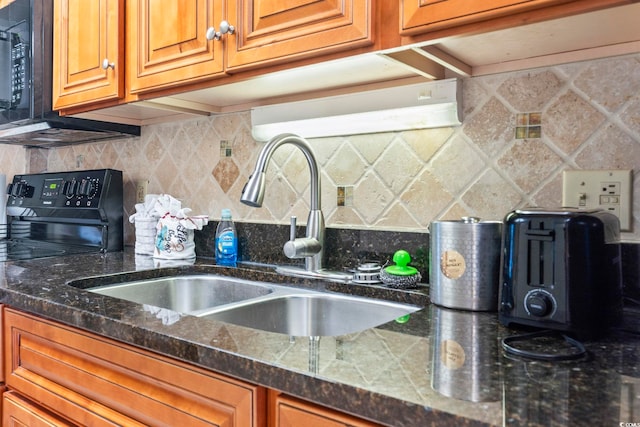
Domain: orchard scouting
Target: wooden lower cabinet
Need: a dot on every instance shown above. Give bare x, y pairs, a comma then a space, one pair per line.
79, 378
291, 412
58, 375
18, 411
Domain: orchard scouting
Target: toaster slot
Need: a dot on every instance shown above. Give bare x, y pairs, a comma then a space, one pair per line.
540, 255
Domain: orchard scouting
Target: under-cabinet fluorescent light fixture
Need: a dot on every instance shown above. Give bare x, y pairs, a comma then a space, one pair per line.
416, 106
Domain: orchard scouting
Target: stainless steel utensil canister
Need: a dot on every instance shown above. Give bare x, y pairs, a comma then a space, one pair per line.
464, 268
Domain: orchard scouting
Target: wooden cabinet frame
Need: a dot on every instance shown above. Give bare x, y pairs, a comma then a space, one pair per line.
81, 46
91, 380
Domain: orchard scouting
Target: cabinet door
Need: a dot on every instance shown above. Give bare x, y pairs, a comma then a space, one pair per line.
99, 382
17, 411
86, 33
276, 31
291, 412
429, 15
167, 44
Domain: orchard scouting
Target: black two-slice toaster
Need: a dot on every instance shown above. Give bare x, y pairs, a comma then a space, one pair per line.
561, 270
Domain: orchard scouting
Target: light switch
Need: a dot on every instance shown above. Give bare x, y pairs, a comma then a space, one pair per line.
599, 189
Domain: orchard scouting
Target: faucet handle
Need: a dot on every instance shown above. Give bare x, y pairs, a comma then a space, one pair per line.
302, 248
292, 231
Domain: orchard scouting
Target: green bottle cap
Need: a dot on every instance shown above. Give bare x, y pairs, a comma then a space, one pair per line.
401, 258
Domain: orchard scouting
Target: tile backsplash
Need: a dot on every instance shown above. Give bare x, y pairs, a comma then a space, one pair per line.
13, 160
585, 116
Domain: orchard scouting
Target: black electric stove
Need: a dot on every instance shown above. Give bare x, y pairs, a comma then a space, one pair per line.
63, 213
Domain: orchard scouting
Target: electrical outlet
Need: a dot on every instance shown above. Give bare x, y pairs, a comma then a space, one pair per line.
141, 190
599, 189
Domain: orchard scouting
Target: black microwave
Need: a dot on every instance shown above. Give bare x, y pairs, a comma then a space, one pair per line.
26, 67
15, 64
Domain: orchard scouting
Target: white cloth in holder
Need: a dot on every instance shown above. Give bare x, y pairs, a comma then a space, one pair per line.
145, 220
175, 229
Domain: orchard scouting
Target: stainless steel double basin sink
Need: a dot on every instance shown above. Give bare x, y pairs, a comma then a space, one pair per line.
259, 305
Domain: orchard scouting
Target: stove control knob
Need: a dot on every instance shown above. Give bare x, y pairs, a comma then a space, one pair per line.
69, 188
87, 188
20, 189
539, 303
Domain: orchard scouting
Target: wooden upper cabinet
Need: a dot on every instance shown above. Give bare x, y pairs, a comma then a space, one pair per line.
86, 33
167, 44
276, 31
420, 16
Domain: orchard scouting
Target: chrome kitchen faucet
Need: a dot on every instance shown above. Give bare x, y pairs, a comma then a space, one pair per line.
310, 247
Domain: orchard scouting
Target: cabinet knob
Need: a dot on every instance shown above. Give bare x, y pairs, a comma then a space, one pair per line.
225, 28
106, 64
212, 34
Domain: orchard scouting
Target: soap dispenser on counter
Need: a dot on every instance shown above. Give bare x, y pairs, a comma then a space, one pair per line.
226, 241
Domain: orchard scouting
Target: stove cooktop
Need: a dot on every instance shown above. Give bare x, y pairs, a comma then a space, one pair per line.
21, 249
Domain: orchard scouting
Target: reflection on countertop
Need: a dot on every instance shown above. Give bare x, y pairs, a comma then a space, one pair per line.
442, 366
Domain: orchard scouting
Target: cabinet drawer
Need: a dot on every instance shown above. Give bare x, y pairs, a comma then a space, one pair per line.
292, 412
17, 411
68, 370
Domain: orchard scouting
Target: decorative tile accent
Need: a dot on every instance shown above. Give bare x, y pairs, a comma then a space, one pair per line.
400, 180
345, 196
225, 148
528, 125
226, 172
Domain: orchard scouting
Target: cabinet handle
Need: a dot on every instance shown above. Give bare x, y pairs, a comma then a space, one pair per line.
225, 28
106, 64
212, 34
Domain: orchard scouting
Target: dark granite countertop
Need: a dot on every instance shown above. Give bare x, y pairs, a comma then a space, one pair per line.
442, 367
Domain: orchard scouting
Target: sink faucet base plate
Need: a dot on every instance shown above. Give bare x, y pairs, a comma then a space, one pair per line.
334, 276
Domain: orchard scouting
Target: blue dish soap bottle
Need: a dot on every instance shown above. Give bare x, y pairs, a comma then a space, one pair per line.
226, 241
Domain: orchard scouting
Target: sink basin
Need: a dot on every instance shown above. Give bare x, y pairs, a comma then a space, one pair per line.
313, 314
190, 294
259, 305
